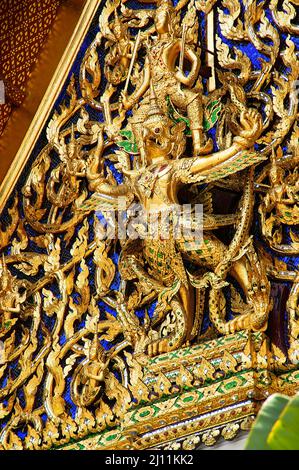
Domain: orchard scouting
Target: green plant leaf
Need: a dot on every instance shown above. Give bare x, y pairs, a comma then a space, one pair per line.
267, 416
284, 435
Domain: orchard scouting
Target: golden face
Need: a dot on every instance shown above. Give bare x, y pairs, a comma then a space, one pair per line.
276, 175
162, 20
118, 30
157, 137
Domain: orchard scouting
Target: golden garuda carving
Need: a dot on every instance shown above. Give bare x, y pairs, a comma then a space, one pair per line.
170, 111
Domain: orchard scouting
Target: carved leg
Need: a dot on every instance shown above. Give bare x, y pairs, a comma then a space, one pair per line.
187, 298
195, 114
217, 315
250, 275
137, 129
240, 272
177, 326
173, 331
208, 254
105, 100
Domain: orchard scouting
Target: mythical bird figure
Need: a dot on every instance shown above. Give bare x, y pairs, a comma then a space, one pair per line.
158, 264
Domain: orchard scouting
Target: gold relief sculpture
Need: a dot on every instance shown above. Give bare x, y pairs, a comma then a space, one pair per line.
101, 318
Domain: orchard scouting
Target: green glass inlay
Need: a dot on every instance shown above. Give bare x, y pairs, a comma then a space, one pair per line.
188, 399
231, 385
112, 437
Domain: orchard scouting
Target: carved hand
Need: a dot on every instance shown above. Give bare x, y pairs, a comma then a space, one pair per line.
126, 101
251, 126
182, 78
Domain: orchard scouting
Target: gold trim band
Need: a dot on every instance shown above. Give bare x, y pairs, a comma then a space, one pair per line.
46, 105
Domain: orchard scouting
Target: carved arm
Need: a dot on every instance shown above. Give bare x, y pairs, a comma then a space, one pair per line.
192, 57
129, 101
251, 126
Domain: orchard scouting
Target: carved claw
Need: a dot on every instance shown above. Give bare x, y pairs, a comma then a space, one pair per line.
204, 149
250, 129
159, 347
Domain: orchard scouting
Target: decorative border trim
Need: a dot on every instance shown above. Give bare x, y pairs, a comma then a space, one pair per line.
199, 412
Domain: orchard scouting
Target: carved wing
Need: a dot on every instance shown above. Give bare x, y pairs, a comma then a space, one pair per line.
236, 163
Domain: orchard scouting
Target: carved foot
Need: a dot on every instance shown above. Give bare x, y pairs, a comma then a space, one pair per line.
158, 347
243, 322
205, 149
255, 321
258, 298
